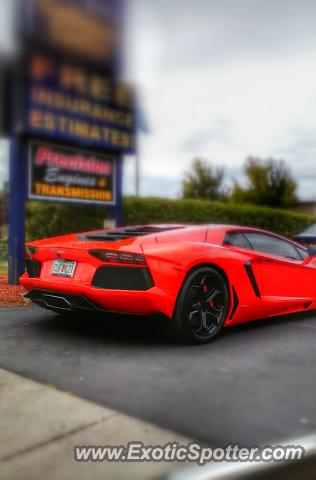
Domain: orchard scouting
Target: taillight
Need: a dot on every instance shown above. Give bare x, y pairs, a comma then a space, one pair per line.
112, 256
29, 252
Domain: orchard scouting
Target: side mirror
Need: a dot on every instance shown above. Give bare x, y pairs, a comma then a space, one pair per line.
311, 250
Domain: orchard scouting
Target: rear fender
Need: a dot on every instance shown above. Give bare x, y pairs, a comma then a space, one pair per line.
170, 264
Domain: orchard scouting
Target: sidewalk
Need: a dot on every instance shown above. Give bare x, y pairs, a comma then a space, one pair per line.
40, 425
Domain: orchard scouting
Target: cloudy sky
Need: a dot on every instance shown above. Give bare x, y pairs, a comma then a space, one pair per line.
220, 79
223, 79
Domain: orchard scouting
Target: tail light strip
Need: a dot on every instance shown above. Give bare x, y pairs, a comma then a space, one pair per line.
125, 258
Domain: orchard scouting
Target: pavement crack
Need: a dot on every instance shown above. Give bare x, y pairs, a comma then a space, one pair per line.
57, 438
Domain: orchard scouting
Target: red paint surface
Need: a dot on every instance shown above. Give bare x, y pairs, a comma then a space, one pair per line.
285, 285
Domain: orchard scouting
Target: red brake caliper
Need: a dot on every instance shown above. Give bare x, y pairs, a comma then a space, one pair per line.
206, 290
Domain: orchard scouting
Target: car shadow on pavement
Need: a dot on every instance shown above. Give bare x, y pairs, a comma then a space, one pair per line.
152, 331
112, 328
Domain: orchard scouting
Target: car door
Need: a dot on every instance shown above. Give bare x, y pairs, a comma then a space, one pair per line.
284, 273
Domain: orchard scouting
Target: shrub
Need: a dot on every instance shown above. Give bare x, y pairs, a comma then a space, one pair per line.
50, 219
3, 248
3, 242
160, 210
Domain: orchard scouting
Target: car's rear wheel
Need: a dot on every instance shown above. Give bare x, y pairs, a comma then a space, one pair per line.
202, 305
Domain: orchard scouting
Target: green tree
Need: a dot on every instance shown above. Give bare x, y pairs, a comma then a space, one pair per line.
269, 182
204, 181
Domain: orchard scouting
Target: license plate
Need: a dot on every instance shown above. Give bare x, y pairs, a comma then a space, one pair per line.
64, 268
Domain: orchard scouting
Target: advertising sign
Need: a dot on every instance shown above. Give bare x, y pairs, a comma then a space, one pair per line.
65, 104
86, 28
69, 175
76, 104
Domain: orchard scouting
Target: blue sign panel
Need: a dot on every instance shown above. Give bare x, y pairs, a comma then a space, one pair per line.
76, 104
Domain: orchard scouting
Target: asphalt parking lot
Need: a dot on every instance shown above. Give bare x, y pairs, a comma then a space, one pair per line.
254, 384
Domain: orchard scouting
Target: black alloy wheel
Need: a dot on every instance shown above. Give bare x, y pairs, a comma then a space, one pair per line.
202, 305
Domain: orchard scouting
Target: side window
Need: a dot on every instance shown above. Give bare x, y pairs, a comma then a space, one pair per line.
274, 246
237, 239
302, 252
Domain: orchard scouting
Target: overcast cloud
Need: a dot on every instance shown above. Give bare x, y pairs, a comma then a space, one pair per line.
223, 79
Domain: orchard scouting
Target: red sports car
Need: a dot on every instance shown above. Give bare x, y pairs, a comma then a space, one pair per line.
201, 277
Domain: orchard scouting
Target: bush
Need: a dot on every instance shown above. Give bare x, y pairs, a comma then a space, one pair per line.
51, 219
3, 248
159, 210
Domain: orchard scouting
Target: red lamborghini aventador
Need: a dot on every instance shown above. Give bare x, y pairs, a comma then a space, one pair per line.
201, 277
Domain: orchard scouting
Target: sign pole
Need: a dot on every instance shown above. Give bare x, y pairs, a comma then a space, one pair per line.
17, 197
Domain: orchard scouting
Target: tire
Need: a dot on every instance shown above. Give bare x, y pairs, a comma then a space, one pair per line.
202, 306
